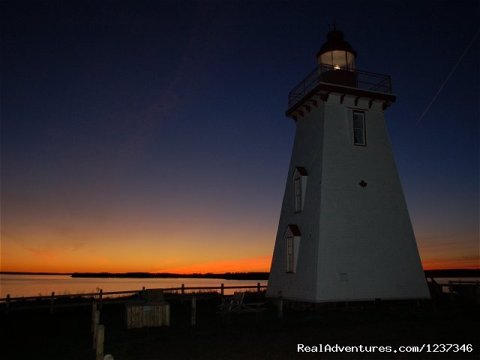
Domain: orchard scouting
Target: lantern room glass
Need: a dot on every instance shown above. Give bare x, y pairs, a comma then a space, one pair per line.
338, 60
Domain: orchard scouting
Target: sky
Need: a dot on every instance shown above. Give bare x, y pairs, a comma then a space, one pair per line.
152, 136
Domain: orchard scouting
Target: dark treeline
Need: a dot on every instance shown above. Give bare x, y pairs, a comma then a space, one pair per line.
225, 276
255, 275
453, 273
460, 273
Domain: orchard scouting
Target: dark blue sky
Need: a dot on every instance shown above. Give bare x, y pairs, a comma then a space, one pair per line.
128, 122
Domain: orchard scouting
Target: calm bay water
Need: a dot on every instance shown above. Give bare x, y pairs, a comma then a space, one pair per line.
34, 285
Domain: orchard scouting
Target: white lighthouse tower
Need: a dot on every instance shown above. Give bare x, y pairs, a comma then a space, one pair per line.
344, 232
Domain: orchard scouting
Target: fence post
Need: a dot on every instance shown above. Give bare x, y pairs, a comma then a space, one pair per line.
99, 343
7, 304
94, 310
95, 325
194, 311
222, 289
183, 289
280, 306
258, 287
52, 299
167, 314
100, 296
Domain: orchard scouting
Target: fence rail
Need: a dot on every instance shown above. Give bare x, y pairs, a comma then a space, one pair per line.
100, 295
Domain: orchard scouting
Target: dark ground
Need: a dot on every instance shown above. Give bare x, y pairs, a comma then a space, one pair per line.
65, 334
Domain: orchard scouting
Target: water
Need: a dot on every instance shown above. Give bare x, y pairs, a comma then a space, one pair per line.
445, 281
35, 285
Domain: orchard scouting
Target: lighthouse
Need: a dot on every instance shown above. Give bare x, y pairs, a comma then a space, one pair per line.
344, 232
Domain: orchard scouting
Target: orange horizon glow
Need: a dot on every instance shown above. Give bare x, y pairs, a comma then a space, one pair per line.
254, 264
170, 247
446, 264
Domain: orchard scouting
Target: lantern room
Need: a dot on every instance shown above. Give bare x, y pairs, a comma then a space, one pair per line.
337, 53
336, 60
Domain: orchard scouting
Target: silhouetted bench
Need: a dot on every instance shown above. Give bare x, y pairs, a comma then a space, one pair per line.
235, 305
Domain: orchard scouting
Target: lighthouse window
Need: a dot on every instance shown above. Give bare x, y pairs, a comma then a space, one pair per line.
359, 137
292, 241
299, 188
290, 254
298, 193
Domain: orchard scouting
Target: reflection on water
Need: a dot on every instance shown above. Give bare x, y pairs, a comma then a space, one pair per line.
445, 281
34, 285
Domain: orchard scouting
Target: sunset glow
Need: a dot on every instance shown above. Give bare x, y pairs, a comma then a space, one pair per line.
155, 255
158, 142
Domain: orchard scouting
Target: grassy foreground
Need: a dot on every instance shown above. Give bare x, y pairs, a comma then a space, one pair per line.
65, 334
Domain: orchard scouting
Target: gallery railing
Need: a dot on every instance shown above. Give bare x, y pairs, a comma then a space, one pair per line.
359, 79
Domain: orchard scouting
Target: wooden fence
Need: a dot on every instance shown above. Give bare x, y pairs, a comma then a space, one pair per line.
100, 297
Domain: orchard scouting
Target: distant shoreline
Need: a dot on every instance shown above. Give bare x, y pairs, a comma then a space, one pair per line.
143, 275
226, 276
32, 273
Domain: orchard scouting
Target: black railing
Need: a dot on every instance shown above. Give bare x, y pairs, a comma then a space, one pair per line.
363, 80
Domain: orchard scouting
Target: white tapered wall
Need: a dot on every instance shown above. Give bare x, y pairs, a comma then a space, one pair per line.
357, 243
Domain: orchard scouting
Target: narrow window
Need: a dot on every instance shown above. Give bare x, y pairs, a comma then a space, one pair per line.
292, 245
299, 188
290, 254
298, 193
359, 137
